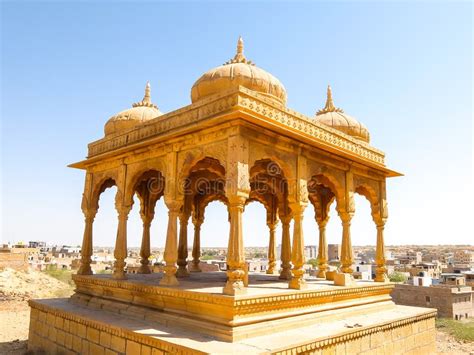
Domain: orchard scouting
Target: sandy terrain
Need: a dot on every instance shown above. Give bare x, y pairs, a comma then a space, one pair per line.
17, 287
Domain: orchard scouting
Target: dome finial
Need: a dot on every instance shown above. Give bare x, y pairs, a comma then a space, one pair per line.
329, 104
239, 56
147, 98
240, 46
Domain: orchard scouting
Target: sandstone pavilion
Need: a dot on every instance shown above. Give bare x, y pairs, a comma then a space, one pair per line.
237, 142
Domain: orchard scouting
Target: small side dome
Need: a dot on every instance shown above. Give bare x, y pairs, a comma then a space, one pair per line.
238, 71
335, 117
140, 112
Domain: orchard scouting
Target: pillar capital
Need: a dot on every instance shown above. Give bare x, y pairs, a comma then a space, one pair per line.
174, 206
345, 216
322, 223
237, 200
297, 208
89, 214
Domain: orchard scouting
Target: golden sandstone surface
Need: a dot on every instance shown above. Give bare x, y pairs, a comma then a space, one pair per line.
237, 143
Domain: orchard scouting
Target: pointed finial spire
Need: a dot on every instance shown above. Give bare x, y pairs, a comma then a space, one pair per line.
239, 56
329, 104
147, 98
240, 46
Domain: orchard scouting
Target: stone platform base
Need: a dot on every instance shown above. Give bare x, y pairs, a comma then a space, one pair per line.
59, 326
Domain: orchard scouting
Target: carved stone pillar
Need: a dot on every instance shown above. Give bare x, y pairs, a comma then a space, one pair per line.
381, 269
347, 258
183, 246
235, 251
120, 252
145, 251
87, 248
297, 251
272, 225
323, 248
171, 247
285, 273
194, 267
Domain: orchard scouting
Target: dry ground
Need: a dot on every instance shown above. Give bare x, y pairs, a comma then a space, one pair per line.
17, 287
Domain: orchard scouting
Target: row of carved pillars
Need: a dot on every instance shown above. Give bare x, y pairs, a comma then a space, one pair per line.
235, 257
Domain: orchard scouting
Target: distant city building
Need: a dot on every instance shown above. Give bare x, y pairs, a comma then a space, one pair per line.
334, 252
451, 301
310, 252
36, 244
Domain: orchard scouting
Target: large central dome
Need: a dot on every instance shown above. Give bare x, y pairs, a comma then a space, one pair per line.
238, 72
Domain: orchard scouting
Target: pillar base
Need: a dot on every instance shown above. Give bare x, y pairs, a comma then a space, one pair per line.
182, 272
341, 279
169, 280
297, 283
194, 268
330, 275
285, 274
271, 272
347, 270
117, 275
381, 278
85, 270
234, 287
144, 269
321, 274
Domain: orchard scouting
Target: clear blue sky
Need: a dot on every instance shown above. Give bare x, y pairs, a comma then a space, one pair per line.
402, 68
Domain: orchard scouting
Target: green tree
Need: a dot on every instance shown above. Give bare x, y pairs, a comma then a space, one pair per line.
312, 262
397, 277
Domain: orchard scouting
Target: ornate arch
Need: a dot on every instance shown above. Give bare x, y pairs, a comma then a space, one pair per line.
372, 196
100, 186
327, 180
191, 160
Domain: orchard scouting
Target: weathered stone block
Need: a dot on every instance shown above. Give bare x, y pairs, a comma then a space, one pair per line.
76, 343
133, 348
52, 332
68, 341
66, 324
377, 340
58, 322
117, 344
60, 337
81, 330
105, 339
353, 346
85, 347
93, 335
365, 343
95, 349
146, 350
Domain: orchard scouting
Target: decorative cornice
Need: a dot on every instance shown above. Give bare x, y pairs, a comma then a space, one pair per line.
243, 305
251, 102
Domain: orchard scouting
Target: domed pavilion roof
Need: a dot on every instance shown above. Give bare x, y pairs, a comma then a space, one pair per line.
238, 71
140, 112
335, 117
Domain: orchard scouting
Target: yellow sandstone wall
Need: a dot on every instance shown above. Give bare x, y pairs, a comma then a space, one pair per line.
67, 333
